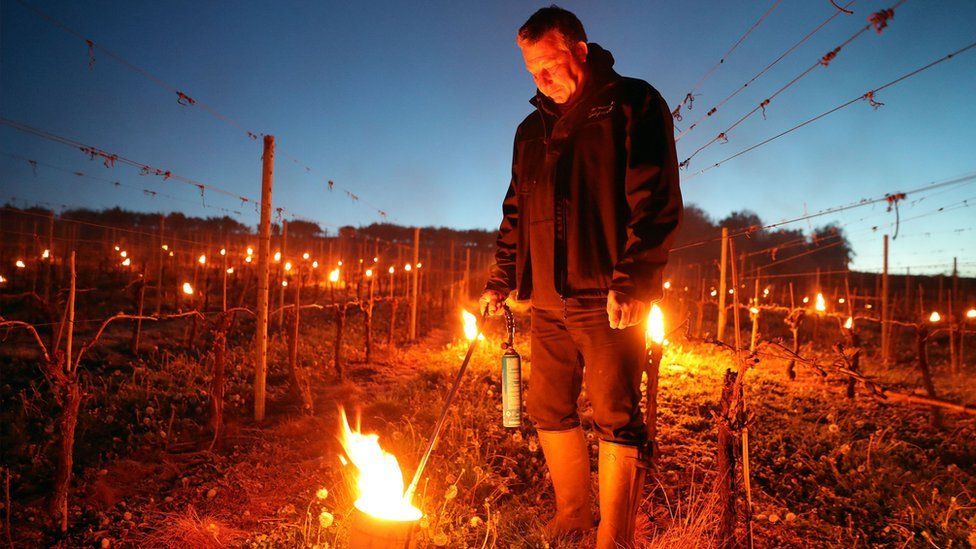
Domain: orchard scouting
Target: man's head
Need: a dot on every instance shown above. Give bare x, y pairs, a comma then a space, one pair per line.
553, 44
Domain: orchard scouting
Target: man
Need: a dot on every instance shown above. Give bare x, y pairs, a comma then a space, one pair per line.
588, 222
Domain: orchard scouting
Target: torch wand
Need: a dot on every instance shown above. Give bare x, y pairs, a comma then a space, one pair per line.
408, 495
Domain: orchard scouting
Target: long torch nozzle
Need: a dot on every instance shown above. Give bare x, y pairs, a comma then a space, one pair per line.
408, 495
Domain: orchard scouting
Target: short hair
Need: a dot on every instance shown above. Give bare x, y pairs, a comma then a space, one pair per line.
553, 18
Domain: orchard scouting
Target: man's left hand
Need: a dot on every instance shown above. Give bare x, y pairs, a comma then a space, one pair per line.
624, 311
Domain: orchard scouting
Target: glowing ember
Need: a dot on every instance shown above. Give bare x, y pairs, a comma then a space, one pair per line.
20, 264
124, 253
376, 260
306, 255
935, 317
202, 259
407, 267
868, 306
842, 301
391, 270
667, 284
277, 256
655, 325
419, 265
284, 283
379, 482
369, 273
315, 264
165, 247
754, 310
334, 275
171, 254
287, 265
230, 270
46, 254
850, 323
766, 291
821, 304
471, 326
223, 251
339, 263
971, 313
250, 251
187, 288
126, 262
714, 293
2, 279
806, 299
731, 291
247, 259
117, 248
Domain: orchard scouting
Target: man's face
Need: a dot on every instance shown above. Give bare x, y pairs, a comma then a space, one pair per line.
558, 68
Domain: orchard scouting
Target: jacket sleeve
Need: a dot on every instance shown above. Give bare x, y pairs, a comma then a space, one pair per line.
501, 275
653, 198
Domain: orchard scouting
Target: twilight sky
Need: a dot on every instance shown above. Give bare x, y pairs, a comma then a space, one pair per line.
413, 106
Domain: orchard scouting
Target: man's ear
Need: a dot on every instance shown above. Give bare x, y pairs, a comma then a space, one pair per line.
580, 51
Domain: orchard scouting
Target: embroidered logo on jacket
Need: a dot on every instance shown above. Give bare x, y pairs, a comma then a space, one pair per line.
603, 110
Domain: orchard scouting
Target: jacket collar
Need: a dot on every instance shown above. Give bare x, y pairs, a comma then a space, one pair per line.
600, 64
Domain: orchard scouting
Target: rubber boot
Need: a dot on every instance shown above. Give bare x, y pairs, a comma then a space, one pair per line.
618, 478
569, 467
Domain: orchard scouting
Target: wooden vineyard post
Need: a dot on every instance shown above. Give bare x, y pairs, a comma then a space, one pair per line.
450, 273
299, 381
137, 327
739, 397
281, 270
953, 355
885, 329
755, 317
720, 330
415, 284
921, 338
371, 276
70, 398
467, 275
159, 271
49, 265
853, 340
223, 299
264, 249
393, 306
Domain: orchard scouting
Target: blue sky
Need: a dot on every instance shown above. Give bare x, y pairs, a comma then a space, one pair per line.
413, 106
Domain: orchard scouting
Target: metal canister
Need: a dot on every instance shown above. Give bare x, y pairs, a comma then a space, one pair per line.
511, 388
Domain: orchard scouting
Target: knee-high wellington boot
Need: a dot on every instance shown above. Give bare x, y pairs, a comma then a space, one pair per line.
569, 468
618, 476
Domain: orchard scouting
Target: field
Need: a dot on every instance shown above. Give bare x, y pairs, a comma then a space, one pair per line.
825, 469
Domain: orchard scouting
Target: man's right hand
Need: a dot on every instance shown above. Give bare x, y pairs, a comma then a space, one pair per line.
491, 301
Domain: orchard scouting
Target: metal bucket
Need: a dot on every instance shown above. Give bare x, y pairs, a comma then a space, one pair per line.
368, 532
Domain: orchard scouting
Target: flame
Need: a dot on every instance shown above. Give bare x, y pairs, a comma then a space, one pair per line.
935, 317
376, 260
334, 275
250, 251
754, 310
287, 265
306, 255
971, 313
2, 279
842, 301
667, 284
471, 326
187, 288
46, 254
407, 267
714, 293
202, 259
379, 482
315, 264
821, 304
20, 264
284, 283
230, 270
806, 299
165, 247
369, 273
117, 248
223, 251
277, 256
126, 262
391, 270
247, 259
850, 323
655, 325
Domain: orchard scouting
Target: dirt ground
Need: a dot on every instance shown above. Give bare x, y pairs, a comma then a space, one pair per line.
825, 470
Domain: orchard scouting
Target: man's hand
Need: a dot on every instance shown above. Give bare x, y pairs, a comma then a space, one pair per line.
624, 311
491, 301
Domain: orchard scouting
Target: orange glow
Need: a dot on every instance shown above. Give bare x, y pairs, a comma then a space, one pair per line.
126, 262
471, 326
971, 313
284, 283
754, 310
171, 254
391, 270
165, 247
369, 273
379, 480
850, 323
187, 288
842, 301
117, 248
667, 284
714, 293
230, 270
419, 265
376, 260
339, 263
655, 325
821, 304
407, 267
223, 251
306, 255
935, 317
334, 275
202, 259
46, 254
2, 279
277, 256
315, 264
20, 264
287, 266
806, 299
247, 259
250, 250
124, 253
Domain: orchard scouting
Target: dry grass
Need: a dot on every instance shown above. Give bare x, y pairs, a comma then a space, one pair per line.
188, 529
